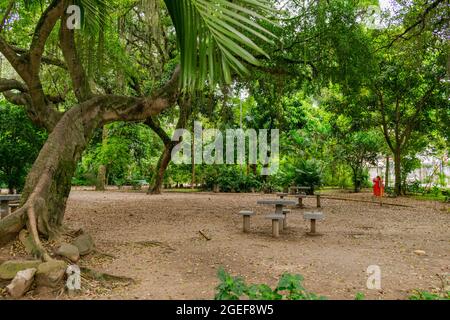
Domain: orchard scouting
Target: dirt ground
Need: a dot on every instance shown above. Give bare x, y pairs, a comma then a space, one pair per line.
156, 241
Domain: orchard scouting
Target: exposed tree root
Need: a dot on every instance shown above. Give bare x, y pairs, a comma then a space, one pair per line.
104, 277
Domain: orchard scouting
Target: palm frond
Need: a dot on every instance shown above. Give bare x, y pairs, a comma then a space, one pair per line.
93, 14
216, 38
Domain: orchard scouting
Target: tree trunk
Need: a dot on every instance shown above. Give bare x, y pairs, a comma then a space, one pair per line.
398, 172
49, 181
101, 178
386, 175
163, 163
193, 161
164, 159
356, 181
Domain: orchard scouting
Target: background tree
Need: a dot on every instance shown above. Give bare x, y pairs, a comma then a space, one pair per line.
358, 150
20, 142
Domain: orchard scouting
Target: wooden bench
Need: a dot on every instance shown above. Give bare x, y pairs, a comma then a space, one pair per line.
276, 225
313, 217
246, 214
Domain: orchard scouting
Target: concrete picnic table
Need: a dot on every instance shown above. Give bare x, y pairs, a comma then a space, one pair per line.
278, 203
4, 203
302, 189
278, 215
282, 194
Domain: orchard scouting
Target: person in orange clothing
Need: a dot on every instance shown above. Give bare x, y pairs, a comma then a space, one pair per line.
378, 188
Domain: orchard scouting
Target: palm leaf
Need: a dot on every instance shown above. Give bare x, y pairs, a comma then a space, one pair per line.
216, 38
93, 14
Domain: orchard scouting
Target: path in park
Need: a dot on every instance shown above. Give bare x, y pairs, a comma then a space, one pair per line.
156, 241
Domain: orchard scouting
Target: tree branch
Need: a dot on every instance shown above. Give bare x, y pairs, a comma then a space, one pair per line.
419, 21
42, 31
77, 73
7, 13
45, 59
383, 120
11, 84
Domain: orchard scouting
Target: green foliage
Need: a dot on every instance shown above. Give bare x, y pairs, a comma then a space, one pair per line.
323, 94
230, 178
125, 151
360, 296
289, 288
307, 173
218, 33
20, 142
357, 150
425, 295
415, 187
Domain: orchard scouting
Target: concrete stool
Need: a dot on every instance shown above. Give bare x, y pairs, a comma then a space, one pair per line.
318, 200
300, 200
246, 215
285, 212
313, 216
276, 225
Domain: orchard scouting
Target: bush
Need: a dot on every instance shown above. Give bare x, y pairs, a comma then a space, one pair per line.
308, 173
415, 187
425, 295
289, 288
230, 179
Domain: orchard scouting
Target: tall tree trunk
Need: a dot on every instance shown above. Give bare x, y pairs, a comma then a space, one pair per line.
398, 172
49, 181
386, 175
193, 158
101, 174
101, 178
163, 163
356, 180
164, 159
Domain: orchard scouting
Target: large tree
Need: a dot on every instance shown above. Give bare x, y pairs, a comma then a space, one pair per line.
410, 94
212, 42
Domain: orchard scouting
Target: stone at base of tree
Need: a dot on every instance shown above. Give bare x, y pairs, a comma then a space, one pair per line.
50, 274
69, 251
84, 243
21, 283
9, 269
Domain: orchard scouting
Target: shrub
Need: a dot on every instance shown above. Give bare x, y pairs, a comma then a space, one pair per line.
425, 295
230, 179
308, 173
415, 187
289, 288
